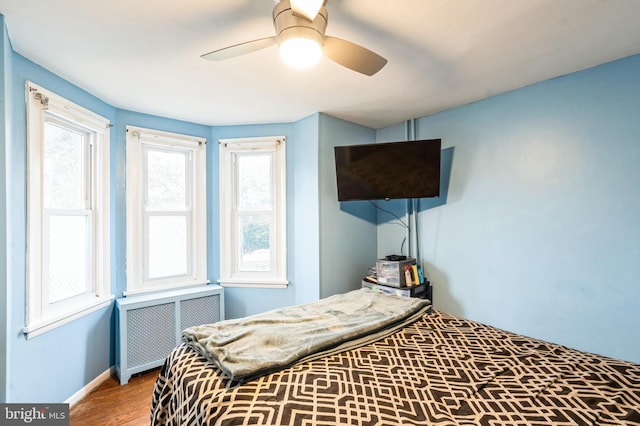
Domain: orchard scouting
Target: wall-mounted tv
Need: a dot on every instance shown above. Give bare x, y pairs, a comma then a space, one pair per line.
391, 170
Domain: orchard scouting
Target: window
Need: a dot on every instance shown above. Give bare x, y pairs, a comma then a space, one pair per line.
68, 272
253, 212
166, 203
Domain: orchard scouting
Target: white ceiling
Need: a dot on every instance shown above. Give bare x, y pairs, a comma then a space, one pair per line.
144, 55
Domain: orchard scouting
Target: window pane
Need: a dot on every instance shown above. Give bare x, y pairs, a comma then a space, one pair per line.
254, 182
63, 172
167, 246
255, 254
68, 257
166, 180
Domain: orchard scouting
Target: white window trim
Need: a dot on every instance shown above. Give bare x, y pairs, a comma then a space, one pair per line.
137, 138
228, 276
41, 317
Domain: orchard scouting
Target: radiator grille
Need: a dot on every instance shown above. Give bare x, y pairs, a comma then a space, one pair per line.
149, 326
198, 311
151, 333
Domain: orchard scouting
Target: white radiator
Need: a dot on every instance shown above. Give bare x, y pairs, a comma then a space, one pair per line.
150, 326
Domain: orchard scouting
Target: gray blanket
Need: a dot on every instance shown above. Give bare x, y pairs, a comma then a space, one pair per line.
249, 347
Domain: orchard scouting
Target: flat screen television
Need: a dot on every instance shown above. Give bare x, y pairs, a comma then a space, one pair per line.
391, 170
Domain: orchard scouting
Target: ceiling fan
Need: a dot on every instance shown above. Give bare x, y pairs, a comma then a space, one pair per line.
300, 31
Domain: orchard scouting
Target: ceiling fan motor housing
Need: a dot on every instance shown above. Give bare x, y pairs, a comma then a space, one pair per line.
289, 26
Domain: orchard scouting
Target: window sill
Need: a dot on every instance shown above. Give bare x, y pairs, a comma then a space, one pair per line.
49, 324
248, 283
162, 288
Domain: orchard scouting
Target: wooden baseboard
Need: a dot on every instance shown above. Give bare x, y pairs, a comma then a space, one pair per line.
86, 390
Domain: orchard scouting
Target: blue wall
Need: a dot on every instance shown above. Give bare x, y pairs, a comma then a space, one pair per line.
305, 249
347, 241
541, 228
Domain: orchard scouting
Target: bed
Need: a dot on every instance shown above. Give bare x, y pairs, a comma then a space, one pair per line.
430, 368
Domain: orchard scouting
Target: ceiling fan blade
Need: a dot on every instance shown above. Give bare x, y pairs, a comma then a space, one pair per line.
240, 49
353, 56
308, 9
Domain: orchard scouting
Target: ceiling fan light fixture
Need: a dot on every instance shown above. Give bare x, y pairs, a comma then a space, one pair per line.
300, 47
300, 52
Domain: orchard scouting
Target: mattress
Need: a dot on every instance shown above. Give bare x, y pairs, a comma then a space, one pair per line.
440, 370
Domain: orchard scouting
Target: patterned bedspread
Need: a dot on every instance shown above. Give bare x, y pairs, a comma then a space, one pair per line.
441, 370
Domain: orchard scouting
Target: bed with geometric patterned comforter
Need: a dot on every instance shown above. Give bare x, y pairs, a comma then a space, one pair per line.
439, 370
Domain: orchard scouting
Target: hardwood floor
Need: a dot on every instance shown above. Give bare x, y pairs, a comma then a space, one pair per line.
112, 404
